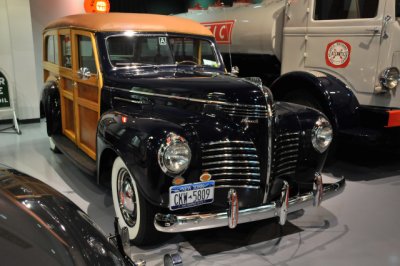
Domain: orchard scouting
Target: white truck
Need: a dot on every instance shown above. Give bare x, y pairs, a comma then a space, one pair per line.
339, 56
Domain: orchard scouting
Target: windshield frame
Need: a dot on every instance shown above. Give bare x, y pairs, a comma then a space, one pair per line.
138, 66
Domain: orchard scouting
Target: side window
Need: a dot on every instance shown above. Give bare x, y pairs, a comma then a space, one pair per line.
85, 54
345, 9
66, 51
51, 49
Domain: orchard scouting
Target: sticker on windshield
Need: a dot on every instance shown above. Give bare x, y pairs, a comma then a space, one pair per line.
162, 40
337, 54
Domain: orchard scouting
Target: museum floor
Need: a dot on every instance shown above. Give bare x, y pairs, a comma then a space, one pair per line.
361, 226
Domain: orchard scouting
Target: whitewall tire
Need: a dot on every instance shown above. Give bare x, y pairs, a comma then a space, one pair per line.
131, 209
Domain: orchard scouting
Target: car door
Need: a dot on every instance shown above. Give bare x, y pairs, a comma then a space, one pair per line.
80, 83
87, 90
343, 38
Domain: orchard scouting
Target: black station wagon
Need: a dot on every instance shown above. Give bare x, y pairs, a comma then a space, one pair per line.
143, 102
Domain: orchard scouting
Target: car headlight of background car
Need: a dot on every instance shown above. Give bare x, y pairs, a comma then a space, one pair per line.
174, 155
321, 135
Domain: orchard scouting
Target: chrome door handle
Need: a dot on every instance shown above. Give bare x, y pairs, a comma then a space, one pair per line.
84, 73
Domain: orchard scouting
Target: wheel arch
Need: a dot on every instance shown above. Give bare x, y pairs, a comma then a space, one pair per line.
337, 101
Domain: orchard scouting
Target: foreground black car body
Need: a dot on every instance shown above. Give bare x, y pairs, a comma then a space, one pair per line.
184, 145
39, 226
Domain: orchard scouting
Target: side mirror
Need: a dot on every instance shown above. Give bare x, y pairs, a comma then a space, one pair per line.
235, 70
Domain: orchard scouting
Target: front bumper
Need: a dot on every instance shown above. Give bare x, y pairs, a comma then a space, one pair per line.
170, 223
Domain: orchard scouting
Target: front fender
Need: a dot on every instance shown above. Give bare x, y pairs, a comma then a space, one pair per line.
137, 140
337, 100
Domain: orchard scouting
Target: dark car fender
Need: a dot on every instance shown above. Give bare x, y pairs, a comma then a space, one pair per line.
136, 140
50, 104
336, 99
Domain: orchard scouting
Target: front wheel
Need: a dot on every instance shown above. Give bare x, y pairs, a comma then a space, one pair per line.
131, 208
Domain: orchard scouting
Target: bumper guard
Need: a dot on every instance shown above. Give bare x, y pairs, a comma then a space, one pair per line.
170, 223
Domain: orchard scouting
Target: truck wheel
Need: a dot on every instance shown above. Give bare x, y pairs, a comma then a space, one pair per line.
131, 208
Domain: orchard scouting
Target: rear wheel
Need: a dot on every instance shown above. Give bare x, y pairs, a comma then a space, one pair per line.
131, 208
53, 146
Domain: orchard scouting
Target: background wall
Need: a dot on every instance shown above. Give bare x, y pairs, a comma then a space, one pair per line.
44, 11
17, 58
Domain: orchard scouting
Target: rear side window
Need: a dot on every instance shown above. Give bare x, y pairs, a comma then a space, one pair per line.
345, 9
51, 49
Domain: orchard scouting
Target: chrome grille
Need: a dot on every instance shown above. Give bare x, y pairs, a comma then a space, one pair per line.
249, 111
286, 150
232, 163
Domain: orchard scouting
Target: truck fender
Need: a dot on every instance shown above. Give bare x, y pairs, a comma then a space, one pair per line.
333, 97
136, 140
51, 106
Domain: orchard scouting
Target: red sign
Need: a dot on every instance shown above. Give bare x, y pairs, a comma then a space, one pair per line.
337, 54
222, 30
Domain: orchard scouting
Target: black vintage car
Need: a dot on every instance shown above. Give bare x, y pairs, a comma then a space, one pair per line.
39, 226
143, 102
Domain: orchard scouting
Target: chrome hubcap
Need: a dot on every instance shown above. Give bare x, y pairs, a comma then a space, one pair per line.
126, 197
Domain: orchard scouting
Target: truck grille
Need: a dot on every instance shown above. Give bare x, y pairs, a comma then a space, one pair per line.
232, 163
286, 150
249, 111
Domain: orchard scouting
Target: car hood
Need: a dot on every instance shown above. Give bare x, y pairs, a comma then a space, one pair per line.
210, 87
40, 226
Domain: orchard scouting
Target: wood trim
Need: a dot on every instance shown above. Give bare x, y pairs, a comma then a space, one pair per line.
88, 104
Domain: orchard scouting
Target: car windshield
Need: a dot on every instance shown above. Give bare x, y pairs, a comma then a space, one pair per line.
125, 51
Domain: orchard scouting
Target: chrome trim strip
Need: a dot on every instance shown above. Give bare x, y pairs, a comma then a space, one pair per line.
232, 168
288, 140
129, 100
239, 108
237, 186
230, 161
286, 158
287, 146
285, 163
249, 115
289, 151
230, 149
284, 169
269, 144
229, 155
288, 134
197, 100
171, 223
234, 179
229, 141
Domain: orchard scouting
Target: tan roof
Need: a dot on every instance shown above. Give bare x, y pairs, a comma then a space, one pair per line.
130, 21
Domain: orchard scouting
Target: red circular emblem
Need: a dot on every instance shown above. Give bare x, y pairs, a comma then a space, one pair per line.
337, 54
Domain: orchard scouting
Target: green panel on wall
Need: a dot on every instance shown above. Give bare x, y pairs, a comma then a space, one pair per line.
4, 94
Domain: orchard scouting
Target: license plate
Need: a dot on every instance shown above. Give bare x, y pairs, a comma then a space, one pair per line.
191, 195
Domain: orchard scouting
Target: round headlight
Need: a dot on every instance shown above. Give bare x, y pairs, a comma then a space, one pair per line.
174, 155
321, 135
389, 78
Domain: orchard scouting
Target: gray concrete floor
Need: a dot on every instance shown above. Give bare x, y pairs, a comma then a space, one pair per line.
361, 226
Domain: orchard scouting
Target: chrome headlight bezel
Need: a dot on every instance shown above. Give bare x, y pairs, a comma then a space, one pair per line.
171, 143
322, 134
389, 78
